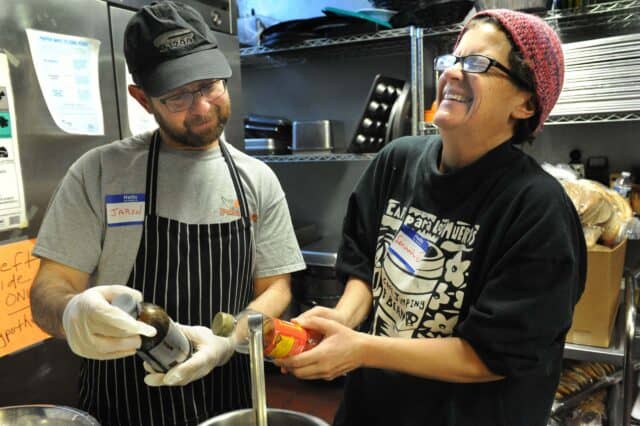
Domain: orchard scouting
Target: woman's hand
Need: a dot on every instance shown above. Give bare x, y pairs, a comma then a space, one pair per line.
322, 312
339, 352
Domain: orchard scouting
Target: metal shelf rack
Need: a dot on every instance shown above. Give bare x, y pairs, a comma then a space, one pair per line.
621, 353
394, 33
616, 14
301, 158
615, 17
593, 118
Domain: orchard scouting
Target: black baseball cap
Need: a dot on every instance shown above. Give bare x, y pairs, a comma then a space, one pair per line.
167, 45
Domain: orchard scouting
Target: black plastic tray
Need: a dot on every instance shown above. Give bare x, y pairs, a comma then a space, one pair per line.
371, 132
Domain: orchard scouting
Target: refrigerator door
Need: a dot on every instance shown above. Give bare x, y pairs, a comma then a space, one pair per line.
46, 151
220, 14
119, 18
48, 372
229, 45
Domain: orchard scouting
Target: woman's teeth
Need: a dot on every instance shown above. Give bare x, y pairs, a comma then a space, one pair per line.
454, 97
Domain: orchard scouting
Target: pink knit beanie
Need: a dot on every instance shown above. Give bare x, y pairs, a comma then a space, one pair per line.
542, 52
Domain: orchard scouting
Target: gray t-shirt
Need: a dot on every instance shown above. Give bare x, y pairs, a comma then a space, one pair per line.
193, 187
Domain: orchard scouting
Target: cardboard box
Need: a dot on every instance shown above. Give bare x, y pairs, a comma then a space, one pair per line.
595, 313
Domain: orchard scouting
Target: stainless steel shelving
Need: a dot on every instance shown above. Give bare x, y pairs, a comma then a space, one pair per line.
393, 37
617, 15
613, 355
621, 353
593, 118
326, 42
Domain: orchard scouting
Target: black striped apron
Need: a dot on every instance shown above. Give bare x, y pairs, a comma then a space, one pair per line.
193, 271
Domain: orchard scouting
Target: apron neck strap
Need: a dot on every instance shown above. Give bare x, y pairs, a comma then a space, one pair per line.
237, 183
152, 174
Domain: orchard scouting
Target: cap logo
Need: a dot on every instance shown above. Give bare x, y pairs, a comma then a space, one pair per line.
174, 40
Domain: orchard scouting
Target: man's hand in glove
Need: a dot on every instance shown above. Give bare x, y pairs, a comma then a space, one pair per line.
209, 351
97, 330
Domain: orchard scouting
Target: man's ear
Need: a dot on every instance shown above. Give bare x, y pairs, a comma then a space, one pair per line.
139, 95
525, 109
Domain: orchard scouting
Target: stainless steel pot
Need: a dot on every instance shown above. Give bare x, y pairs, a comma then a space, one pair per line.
50, 415
260, 415
275, 417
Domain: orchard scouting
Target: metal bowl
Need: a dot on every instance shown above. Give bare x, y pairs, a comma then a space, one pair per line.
49, 415
275, 417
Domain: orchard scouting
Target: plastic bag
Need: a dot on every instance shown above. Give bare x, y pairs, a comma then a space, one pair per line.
250, 28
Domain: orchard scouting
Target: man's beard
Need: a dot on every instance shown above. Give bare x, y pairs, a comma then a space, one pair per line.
197, 140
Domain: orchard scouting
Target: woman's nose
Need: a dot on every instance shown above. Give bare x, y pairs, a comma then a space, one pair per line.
454, 71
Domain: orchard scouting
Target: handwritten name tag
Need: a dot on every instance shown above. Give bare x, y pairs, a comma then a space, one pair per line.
408, 247
125, 209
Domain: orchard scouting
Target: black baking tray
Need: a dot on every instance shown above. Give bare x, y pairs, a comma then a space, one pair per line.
372, 129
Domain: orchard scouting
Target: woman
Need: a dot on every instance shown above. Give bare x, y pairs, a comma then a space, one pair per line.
463, 259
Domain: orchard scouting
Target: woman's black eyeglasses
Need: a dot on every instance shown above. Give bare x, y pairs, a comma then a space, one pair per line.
476, 64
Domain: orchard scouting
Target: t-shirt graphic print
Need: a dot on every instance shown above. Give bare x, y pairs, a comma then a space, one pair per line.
420, 273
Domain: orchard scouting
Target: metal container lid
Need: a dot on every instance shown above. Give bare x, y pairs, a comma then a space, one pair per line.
223, 324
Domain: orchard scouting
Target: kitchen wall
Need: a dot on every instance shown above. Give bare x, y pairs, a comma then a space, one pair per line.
617, 141
314, 88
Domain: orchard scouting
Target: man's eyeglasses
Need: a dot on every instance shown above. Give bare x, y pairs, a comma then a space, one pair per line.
183, 101
477, 64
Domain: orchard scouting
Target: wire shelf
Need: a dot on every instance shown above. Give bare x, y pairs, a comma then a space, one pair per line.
616, 15
593, 118
619, 17
298, 158
324, 42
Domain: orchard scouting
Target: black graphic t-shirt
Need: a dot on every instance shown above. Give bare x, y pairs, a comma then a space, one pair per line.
493, 253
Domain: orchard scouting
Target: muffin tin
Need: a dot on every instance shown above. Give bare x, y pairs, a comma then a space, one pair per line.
372, 130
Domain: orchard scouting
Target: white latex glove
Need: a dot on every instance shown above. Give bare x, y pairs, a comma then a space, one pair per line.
95, 329
209, 351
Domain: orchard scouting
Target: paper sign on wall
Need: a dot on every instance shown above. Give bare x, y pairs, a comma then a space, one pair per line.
12, 203
18, 268
67, 71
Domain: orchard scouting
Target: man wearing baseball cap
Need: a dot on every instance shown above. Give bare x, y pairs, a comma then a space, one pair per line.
462, 258
175, 217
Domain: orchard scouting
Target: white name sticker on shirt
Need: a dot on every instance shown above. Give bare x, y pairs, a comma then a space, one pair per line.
125, 209
408, 247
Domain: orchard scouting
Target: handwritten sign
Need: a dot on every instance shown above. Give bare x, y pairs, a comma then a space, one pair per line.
18, 268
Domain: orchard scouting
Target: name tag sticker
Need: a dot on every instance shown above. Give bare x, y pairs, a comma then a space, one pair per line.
125, 209
408, 247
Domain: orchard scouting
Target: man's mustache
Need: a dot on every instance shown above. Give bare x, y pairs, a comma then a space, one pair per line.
202, 119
